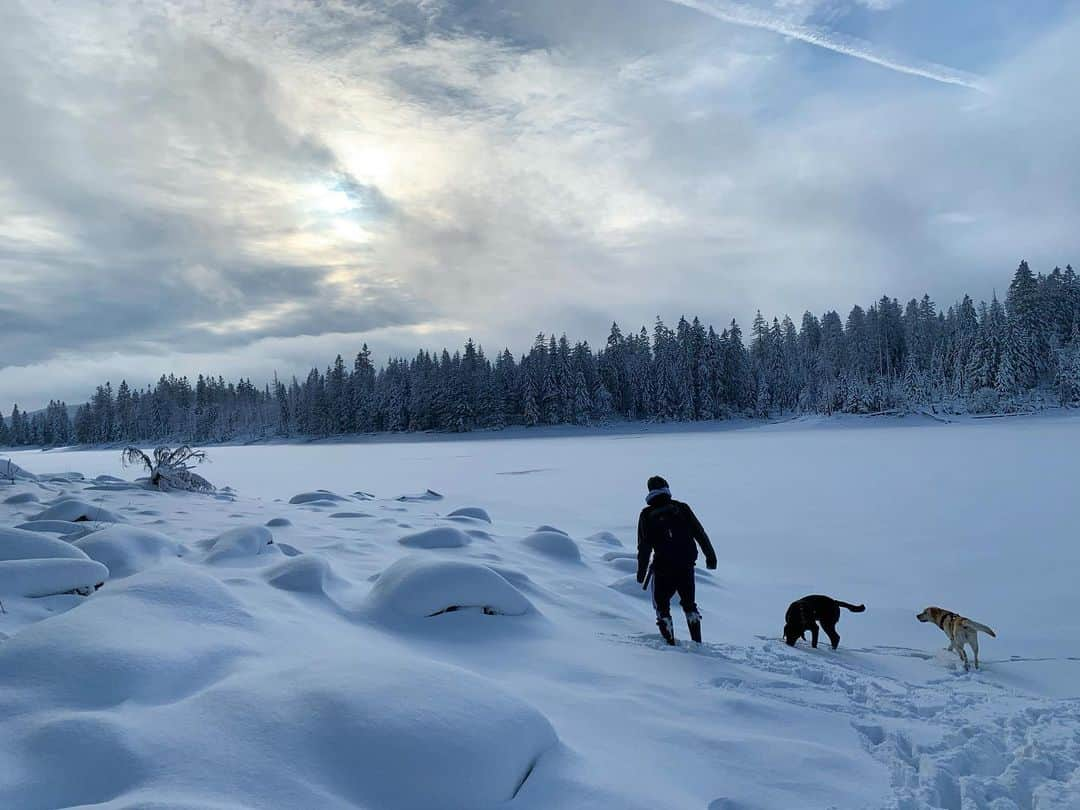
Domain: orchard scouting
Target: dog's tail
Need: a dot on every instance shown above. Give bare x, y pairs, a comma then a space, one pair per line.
852, 608
982, 627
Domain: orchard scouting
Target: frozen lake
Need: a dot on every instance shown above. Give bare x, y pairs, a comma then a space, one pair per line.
977, 517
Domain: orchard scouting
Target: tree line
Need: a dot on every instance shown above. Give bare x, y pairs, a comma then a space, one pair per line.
1023, 353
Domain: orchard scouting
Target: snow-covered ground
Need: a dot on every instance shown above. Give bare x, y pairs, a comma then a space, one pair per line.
314, 663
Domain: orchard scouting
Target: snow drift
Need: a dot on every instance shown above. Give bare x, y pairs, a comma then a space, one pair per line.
45, 577
239, 544
19, 544
318, 496
76, 511
555, 544
472, 512
21, 498
419, 588
439, 537
126, 550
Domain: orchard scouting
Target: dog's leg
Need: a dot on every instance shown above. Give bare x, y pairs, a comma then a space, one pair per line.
813, 635
830, 631
959, 647
975, 648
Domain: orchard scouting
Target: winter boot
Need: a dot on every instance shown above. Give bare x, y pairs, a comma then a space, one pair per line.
693, 622
666, 629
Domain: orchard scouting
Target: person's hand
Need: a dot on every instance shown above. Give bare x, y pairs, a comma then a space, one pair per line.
711, 564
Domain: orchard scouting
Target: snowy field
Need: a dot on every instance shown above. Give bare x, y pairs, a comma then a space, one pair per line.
314, 664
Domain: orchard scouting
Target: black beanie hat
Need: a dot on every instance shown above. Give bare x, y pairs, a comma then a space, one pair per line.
656, 482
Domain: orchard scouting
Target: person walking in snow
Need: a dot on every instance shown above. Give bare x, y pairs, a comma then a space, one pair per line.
670, 533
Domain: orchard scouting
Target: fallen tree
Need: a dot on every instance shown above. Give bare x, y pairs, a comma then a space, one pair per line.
170, 468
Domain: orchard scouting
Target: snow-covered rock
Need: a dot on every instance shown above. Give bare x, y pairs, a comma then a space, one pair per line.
346, 515
417, 587
241, 543
624, 564
21, 498
316, 497
127, 550
555, 544
605, 539
426, 495
10, 471
439, 537
473, 512
62, 527
150, 639
278, 522
375, 731
547, 528
308, 573
77, 510
19, 544
45, 577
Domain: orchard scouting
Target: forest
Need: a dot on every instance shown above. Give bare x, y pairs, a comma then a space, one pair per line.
996, 357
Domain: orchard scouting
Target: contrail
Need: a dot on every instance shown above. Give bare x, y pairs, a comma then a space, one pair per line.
742, 14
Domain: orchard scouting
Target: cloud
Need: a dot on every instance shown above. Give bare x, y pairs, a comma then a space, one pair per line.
239, 188
768, 20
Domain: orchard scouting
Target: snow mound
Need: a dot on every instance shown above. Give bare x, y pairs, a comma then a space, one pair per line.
117, 486
241, 543
547, 528
304, 574
555, 544
63, 477
608, 556
439, 537
418, 587
278, 522
315, 497
45, 577
22, 497
605, 539
342, 515
360, 495
474, 512
64, 527
19, 544
151, 639
426, 495
126, 550
627, 566
108, 479
77, 511
631, 587
13, 472
386, 730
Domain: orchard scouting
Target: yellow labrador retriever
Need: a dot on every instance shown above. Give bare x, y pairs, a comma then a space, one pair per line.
959, 629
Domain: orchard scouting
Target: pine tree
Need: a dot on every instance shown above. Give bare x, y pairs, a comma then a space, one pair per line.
582, 408
603, 404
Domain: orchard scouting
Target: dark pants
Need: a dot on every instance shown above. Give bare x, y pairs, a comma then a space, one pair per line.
666, 584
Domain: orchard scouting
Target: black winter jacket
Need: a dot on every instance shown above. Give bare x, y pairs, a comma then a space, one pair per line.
669, 531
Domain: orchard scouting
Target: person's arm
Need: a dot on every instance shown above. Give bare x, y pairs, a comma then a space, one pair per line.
644, 549
698, 531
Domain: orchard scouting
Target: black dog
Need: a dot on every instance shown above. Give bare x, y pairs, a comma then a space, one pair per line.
806, 613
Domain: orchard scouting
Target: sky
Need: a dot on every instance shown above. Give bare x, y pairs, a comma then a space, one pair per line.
237, 188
